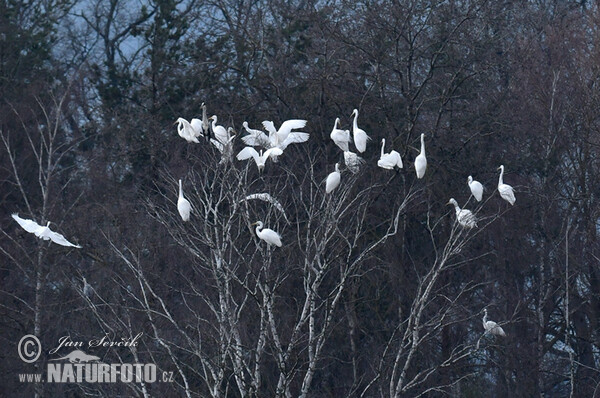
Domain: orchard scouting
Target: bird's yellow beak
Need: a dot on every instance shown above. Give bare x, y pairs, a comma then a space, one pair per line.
254, 223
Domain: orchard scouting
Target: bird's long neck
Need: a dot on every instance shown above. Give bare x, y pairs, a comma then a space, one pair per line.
382, 147
355, 123
484, 317
500, 181
180, 190
422, 145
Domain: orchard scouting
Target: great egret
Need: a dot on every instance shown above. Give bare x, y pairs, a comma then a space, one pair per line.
506, 191
421, 160
258, 138
476, 188
183, 205
226, 149
491, 326
389, 160
353, 161
340, 137
464, 217
333, 179
43, 232
260, 158
360, 136
279, 136
219, 131
186, 131
268, 235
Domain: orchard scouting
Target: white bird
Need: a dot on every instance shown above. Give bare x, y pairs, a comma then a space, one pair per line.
476, 188
506, 191
333, 179
279, 136
491, 326
421, 160
360, 136
464, 217
389, 160
258, 138
186, 131
220, 132
183, 205
226, 149
353, 161
43, 232
259, 158
268, 235
340, 137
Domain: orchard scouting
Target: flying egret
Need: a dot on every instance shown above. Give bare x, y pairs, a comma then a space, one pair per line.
279, 136
464, 217
333, 179
353, 161
389, 160
491, 326
259, 158
183, 205
219, 131
186, 131
340, 137
43, 232
421, 160
268, 235
476, 188
360, 136
506, 191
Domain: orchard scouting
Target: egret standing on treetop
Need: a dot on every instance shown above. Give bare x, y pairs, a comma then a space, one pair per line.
506, 191
259, 158
340, 137
186, 131
219, 131
43, 232
183, 205
268, 235
333, 179
360, 136
389, 160
421, 160
491, 326
464, 217
476, 188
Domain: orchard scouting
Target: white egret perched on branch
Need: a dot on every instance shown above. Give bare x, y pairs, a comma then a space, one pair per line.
268, 235
476, 188
219, 131
421, 160
226, 148
389, 160
186, 131
43, 232
464, 217
333, 179
353, 161
506, 191
259, 138
260, 158
491, 326
341, 138
360, 136
183, 205
277, 137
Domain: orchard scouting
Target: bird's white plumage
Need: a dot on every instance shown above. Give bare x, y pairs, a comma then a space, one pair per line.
389, 160
360, 136
340, 137
268, 235
421, 160
506, 191
279, 136
183, 205
333, 179
43, 232
259, 138
476, 188
220, 132
260, 158
186, 130
491, 326
464, 217
353, 161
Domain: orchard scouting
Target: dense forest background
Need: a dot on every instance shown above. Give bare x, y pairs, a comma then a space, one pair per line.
376, 290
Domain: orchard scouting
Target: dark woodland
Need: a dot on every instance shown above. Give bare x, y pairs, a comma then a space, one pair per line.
377, 291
